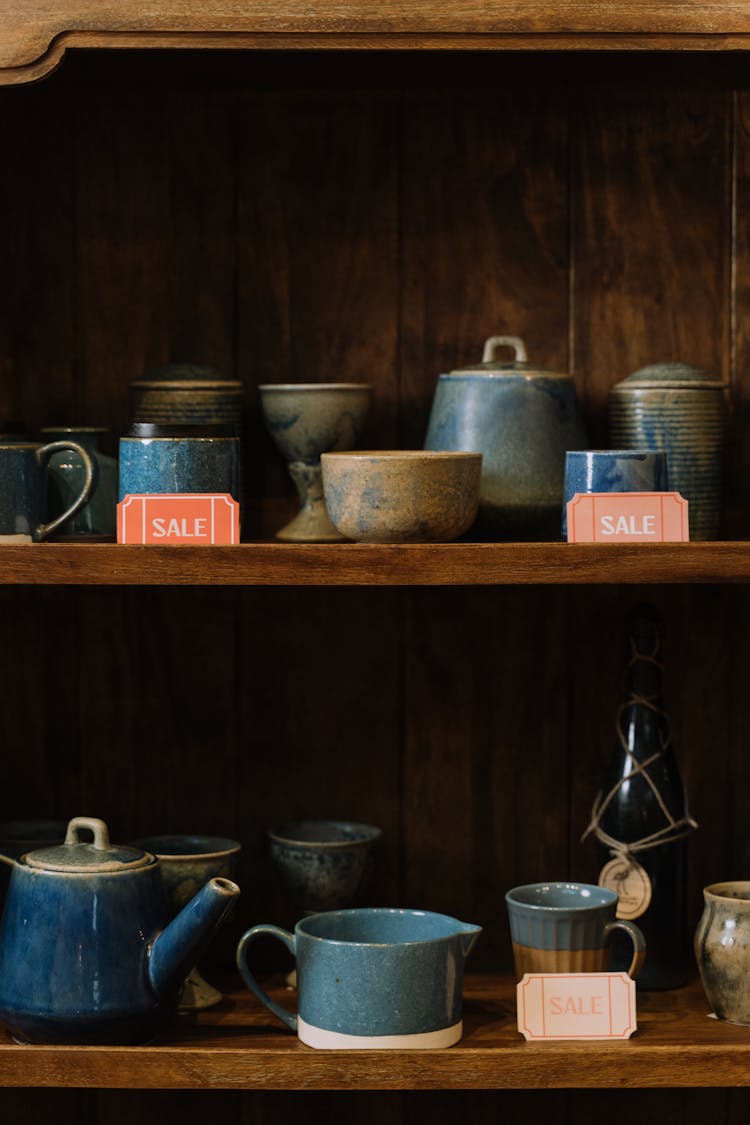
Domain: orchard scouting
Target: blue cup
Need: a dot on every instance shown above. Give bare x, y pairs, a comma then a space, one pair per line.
373, 977
169, 459
612, 470
24, 468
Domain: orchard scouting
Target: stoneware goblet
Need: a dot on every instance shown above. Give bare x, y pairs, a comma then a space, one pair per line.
305, 420
187, 863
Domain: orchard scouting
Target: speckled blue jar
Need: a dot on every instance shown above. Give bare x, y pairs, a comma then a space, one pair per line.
612, 470
373, 977
179, 459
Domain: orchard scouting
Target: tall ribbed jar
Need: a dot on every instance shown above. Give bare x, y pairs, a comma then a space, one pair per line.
679, 409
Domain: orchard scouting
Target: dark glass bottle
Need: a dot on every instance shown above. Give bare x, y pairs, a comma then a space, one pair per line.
641, 819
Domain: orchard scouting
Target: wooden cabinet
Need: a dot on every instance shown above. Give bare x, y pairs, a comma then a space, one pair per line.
336, 201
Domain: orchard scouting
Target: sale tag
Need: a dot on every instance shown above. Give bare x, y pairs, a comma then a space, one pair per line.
576, 1006
628, 517
178, 518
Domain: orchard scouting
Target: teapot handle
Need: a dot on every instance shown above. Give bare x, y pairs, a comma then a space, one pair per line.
98, 827
288, 939
492, 343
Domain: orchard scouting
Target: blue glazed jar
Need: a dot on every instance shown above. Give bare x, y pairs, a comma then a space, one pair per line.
522, 420
87, 951
373, 978
169, 459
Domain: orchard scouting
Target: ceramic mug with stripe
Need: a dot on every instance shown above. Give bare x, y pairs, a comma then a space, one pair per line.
372, 977
567, 928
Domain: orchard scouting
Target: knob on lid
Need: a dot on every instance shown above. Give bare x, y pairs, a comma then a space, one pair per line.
519, 365
88, 858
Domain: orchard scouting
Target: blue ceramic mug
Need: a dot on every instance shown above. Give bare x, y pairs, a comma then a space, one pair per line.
23, 489
169, 459
372, 977
612, 470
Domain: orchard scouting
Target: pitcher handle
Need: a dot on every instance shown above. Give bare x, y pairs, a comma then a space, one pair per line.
288, 940
494, 342
638, 940
43, 455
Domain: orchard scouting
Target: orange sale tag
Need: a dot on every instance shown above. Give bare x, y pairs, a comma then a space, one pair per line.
628, 517
178, 518
576, 1006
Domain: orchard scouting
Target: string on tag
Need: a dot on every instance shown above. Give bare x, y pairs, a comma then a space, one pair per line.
674, 828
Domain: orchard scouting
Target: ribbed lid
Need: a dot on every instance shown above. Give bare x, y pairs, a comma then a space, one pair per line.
196, 375
669, 375
86, 857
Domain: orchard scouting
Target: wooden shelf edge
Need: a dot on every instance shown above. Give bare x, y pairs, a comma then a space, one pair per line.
676, 1045
350, 564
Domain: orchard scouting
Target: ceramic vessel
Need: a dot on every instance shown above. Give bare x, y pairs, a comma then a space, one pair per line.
187, 394
324, 864
87, 951
179, 459
522, 419
305, 420
372, 978
23, 489
187, 862
98, 516
679, 409
722, 950
612, 470
567, 928
402, 496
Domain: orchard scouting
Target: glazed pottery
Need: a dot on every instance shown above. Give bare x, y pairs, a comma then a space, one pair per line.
567, 928
98, 517
20, 836
187, 394
522, 419
722, 950
612, 470
23, 485
87, 951
372, 978
179, 459
679, 409
402, 496
324, 864
187, 862
305, 420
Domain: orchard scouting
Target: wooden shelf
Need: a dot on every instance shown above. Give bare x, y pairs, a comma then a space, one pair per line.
239, 1046
349, 564
34, 34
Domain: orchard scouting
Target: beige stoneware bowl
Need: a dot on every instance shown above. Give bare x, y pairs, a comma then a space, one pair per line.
401, 496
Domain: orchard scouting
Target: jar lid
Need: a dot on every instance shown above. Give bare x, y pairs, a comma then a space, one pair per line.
517, 366
667, 376
87, 858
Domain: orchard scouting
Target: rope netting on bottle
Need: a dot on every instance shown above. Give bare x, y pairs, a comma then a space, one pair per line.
674, 828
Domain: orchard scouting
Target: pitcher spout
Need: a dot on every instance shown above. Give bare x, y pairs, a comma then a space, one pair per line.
179, 946
468, 934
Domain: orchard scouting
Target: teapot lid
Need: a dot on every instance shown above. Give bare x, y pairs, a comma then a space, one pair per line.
666, 376
77, 855
517, 366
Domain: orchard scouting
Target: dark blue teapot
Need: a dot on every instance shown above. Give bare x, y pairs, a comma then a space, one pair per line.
87, 951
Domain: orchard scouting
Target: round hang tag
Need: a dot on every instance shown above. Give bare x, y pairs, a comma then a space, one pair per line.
630, 883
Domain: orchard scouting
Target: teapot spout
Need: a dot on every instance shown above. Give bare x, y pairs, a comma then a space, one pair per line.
179, 946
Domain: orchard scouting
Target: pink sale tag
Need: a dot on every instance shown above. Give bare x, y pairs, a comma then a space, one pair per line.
628, 517
178, 518
576, 1006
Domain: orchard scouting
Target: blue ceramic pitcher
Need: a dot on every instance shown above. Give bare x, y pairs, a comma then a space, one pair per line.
522, 420
373, 978
87, 951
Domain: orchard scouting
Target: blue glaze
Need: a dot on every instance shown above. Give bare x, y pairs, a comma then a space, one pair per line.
23, 468
180, 464
612, 470
522, 422
324, 864
560, 915
84, 953
374, 971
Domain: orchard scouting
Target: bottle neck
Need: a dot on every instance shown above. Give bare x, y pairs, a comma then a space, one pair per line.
644, 727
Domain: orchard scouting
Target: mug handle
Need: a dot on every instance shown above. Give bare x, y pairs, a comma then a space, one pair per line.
42, 456
288, 940
638, 940
494, 342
